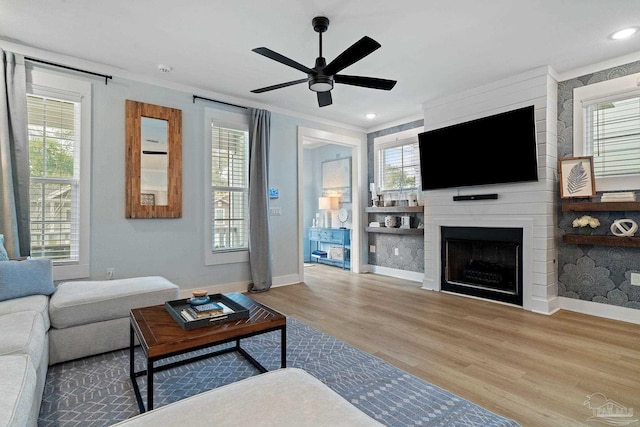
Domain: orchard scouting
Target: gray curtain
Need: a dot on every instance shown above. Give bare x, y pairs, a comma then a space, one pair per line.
14, 157
259, 241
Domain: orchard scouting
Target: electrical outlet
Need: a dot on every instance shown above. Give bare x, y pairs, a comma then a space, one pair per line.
635, 279
396, 251
372, 249
275, 211
108, 274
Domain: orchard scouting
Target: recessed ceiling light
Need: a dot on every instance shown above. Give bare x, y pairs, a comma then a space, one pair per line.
164, 68
625, 33
370, 116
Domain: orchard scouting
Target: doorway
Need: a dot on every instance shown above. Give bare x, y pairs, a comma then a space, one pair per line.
309, 190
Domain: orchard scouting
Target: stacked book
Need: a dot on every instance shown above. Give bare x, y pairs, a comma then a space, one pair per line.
628, 196
374, 224
204, 311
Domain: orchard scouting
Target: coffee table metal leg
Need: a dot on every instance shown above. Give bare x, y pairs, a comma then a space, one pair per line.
283, 347
149, 384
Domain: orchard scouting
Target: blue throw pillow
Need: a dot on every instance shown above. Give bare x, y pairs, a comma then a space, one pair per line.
23, 278
3, 251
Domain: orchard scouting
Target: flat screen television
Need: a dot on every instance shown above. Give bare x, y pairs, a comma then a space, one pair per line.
490, 150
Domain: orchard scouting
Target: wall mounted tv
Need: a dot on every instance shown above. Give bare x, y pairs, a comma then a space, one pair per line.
491, 150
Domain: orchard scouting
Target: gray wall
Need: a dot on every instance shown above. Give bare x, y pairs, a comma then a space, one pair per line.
410, 248
173, 248
593, 273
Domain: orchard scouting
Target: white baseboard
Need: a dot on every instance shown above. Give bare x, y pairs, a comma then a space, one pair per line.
608, 311
290, 279
394, 272
242, 286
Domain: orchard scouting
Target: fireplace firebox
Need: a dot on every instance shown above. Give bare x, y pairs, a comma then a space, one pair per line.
485, 262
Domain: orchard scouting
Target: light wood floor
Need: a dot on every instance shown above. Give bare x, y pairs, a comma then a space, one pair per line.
533, 368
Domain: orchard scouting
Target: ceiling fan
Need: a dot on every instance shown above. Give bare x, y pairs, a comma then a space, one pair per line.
322, 77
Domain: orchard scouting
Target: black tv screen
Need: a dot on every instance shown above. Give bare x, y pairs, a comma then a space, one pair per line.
491, 150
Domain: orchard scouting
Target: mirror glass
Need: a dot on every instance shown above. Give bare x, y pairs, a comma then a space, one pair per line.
154, 161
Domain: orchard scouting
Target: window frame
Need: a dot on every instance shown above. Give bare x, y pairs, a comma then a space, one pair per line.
233, 119
609, 90
397, 139
48, 83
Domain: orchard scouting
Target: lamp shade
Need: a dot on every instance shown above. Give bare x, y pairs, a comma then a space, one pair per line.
334, 202
324, 202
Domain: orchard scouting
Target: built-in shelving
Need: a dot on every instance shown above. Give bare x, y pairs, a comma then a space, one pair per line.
577, 239
395, 209
386, 230
600, 206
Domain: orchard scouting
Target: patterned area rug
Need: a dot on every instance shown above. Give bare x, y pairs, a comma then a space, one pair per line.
96, 391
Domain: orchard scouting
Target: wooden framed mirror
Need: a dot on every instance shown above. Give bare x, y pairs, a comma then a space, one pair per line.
153, 161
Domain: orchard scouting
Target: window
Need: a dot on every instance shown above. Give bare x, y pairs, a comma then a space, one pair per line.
228, 190
59, 147
607, 127
397, 161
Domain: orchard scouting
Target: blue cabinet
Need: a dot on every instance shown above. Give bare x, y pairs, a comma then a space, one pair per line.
330, 246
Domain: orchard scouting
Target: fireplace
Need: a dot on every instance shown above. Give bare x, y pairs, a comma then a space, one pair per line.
484, 262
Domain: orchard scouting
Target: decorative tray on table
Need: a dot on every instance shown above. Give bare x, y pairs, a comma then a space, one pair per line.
182, 311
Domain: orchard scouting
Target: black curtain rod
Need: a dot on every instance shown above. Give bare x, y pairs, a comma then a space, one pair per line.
219, 102
106, 77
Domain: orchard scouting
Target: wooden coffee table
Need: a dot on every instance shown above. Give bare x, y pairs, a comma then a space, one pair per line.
160, 337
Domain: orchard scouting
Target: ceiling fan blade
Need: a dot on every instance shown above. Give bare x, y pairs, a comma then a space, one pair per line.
370, 82
352, 54
278, 86
283, 59
324, 99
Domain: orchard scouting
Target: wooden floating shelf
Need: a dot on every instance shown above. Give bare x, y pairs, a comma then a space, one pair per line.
414, 231
577, 239
395, 209
600, 206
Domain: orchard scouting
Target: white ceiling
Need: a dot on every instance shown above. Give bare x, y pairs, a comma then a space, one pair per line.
432, 48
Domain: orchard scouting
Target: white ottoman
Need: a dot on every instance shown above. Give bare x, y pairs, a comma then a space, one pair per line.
92, 317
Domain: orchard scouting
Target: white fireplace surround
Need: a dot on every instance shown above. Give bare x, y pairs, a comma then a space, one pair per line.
526, 224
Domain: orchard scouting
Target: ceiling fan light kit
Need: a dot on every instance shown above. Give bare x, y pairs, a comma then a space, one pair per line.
322, 76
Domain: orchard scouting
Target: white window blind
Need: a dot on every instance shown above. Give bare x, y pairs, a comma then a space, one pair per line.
399, 166
612, 136
54, 158
229, 188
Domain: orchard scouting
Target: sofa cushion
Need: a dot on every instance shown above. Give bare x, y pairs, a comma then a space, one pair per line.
17, 390
24, 278
23, 333
3, 251
284, 397
83, 302
39, 303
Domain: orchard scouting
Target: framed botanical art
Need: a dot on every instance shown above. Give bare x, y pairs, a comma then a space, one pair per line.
576, 177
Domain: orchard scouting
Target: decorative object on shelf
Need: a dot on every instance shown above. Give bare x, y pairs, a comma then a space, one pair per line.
336, 252
576, 177
343, 216
405, 221
374, 224
327, 204
390, 221
624, 227
412, 199
626, 196
585, 224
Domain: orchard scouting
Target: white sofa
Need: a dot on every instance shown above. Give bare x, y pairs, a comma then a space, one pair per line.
50, 325
90, 318
288, 397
